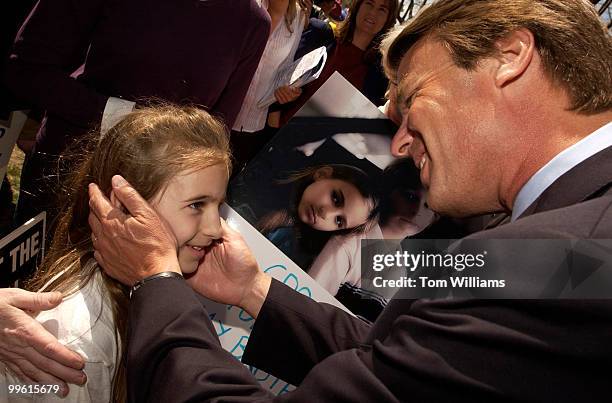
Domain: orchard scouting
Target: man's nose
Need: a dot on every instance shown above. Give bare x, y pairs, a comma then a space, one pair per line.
400, 145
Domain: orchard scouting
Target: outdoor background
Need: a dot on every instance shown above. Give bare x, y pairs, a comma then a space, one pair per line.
408, 9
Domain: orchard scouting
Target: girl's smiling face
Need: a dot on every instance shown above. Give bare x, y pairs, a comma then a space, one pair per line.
190, 204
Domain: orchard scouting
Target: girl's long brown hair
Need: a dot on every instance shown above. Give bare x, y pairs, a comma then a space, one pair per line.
148, 147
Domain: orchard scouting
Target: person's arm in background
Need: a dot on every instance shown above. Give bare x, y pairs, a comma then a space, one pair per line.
256, 37
26, 347
318, 33
285, 93
52, 44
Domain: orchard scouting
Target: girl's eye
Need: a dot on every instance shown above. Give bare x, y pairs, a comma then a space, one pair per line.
196, 205
337, 198
340, 222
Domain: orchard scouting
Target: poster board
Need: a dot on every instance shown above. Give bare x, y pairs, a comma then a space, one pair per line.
341, 137
21, 251
232, 324
338, 126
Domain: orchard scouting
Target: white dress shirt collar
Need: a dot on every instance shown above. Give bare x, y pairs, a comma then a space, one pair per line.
559, 165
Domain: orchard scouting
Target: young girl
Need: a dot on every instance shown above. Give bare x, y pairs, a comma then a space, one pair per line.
178, 159
326, 200
401, 213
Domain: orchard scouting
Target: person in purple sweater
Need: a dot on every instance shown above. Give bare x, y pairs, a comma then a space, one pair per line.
87, 62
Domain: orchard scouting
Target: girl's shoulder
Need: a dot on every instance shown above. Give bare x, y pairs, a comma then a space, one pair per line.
84, 322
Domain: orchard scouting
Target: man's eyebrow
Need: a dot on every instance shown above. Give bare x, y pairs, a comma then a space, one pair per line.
406, 88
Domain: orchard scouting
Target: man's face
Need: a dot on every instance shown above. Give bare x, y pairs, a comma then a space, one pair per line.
446, 128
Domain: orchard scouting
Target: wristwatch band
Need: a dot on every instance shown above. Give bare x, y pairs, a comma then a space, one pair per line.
163, 274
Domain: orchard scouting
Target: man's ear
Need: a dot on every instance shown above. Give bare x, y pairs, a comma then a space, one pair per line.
324, 172
515, 55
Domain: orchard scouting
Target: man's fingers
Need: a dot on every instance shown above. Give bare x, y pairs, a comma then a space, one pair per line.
31, 374
94, 224
18, 372
53, 368
42, 341
101, 261
98, 203
129, 197
227, 230
33, 301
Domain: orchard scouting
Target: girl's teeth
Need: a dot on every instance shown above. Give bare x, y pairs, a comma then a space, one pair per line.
422, 164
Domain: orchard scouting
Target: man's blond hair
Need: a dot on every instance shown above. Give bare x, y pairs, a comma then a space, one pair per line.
574, 45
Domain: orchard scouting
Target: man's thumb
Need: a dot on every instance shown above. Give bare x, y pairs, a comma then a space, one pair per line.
128, 196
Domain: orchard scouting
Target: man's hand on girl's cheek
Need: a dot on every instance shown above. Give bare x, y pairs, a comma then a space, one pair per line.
132, 242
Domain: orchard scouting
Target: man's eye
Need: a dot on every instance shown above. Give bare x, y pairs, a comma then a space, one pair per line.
340, 222
407, 103
410, 101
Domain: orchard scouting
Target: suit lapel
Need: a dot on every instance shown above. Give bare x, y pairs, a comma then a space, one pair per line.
591, 178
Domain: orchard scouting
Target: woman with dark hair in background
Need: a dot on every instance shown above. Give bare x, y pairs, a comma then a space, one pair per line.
353, 52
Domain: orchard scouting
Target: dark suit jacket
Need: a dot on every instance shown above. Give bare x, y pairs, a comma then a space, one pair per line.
203, 52
418, 350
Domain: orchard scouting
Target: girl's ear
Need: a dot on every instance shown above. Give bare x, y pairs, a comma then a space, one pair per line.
325, 172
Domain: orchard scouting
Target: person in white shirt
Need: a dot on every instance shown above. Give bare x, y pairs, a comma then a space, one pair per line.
179, 158
288, 21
